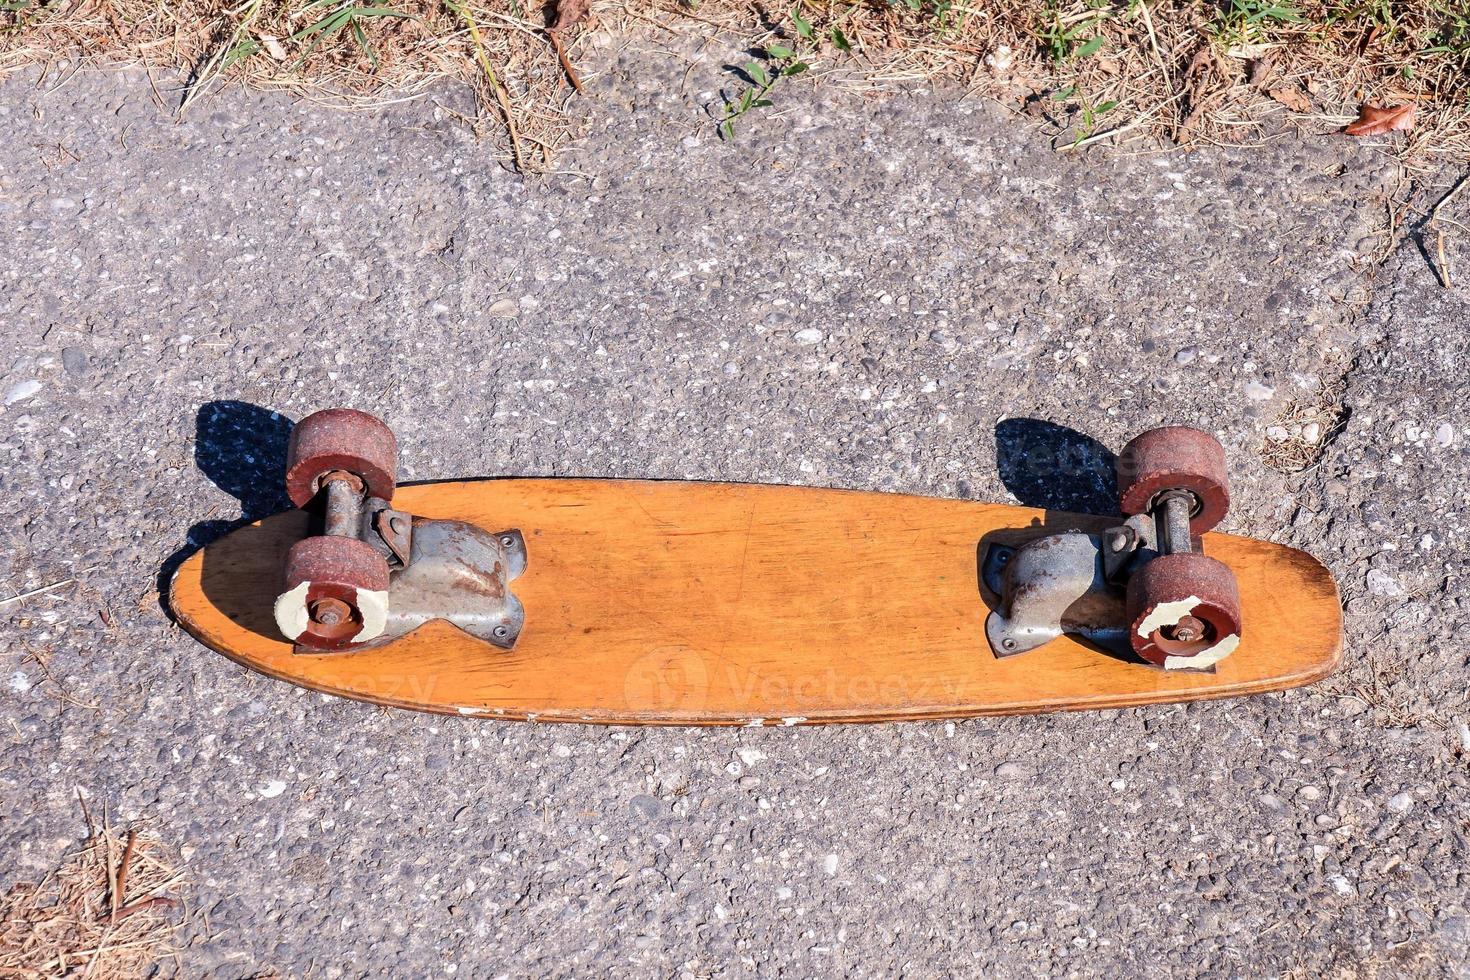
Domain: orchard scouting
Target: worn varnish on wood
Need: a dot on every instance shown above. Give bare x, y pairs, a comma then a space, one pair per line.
706, 603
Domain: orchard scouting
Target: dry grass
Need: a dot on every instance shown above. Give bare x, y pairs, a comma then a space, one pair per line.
398, 49
1099, 70
105, 914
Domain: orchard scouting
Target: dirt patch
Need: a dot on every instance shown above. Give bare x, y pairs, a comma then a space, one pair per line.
1299, 435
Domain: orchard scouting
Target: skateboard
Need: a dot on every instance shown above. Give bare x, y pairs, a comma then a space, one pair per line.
687, 603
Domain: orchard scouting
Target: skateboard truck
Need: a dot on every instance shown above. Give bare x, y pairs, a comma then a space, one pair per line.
373, 573
1142, 589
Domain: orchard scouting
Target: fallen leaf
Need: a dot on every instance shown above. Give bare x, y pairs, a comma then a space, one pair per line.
1260, 71
1201, 62
1202, 89
569, 13
1293, 98
1368, 38
1375, 120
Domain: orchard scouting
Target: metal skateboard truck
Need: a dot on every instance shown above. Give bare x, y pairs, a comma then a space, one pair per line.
1144, 587
372, 574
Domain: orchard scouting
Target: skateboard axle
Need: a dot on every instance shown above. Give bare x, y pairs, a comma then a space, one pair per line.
329, 612
344, 504
1187, 630
1177, 505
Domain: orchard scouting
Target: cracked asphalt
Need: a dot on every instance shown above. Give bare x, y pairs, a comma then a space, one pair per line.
865, 293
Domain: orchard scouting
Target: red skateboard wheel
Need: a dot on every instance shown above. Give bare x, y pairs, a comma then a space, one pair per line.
1183, 611
341, 439
335, 595
1175, 457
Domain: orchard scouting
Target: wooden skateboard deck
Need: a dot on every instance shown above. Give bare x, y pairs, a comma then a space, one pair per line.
727, 604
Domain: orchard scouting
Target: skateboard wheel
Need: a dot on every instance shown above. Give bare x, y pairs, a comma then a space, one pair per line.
341, 439
1175, 457
1183, 611
336, 593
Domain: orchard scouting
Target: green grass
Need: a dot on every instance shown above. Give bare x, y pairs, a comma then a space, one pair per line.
780, 62
1453, 36
337, 17
1064, 36
1252, 21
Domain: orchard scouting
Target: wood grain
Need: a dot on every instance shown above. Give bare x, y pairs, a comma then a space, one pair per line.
706, 603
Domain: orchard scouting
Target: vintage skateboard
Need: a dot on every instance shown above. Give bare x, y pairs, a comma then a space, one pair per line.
647, 602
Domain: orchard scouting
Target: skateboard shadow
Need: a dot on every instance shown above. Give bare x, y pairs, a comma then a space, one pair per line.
241, 448
1051, 466
241, 574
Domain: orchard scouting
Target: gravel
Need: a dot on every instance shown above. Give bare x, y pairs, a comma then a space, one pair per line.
911, 294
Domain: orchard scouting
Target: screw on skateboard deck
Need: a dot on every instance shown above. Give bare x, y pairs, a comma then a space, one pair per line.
648, 602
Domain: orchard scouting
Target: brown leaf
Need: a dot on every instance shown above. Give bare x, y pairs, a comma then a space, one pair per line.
569, 13
1293, 98
1260, 71
1369, 37
1197, 78
1200, 64
1375, 120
